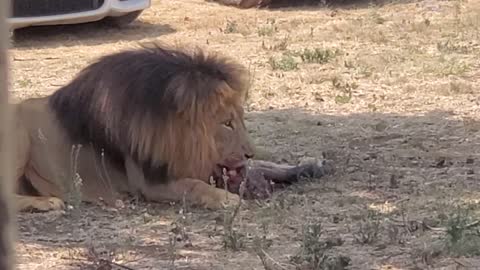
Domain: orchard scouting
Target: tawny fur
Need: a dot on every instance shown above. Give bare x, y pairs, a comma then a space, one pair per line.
155, 121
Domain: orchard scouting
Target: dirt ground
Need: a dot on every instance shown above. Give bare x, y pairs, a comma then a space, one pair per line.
388, 92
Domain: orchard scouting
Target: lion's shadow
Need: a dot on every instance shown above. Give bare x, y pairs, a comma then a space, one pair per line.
416, 142
382, 144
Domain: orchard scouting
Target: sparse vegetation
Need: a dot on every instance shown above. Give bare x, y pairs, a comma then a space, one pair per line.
449, 46
232, 238
462, 235
278, 45
314, 252
345, 87
24, 83
230, 27
268, 29
285, 63
368, 228
317, 55
261, 244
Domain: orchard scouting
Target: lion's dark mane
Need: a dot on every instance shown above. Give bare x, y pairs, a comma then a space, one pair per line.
99, 104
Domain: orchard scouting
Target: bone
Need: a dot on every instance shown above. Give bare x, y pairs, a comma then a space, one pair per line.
284, 173
262, 175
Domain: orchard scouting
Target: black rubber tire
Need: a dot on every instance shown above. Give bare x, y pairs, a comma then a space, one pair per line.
124, 20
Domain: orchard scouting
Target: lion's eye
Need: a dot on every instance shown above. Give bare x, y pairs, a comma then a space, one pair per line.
228, 124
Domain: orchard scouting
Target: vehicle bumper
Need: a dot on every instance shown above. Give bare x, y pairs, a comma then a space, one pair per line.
110, 8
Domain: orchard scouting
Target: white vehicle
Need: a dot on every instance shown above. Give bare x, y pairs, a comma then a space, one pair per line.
53, 12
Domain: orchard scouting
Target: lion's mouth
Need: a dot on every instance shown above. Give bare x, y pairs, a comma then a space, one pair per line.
226, 172
233, 177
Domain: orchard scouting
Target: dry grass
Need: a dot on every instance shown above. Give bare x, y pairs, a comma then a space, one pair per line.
388, 92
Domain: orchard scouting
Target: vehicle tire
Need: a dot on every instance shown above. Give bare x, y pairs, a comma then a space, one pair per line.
124, 20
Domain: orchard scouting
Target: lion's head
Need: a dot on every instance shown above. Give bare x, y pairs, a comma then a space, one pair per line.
177, 113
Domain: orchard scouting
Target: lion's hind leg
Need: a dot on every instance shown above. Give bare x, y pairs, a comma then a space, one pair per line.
38, 203
23, 199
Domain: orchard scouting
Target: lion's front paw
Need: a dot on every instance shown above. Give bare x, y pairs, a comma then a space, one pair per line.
223, 199
230, 200
49, 204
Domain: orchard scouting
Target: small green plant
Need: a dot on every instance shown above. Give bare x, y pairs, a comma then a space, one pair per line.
314, 253
455, 68
449, 46
266, 31
463, 236
278, 45
345, 88
447, 66
368, 228
24, 83
269, 29
230, 27
233, 239
260, 245
285, 63
317, 55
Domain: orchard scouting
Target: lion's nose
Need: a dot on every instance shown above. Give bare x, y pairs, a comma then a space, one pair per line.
248, 149
249, 155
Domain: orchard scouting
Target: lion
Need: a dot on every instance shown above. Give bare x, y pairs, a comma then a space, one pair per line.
153, 121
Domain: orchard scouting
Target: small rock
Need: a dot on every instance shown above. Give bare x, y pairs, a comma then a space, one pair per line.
147, 217
119, 204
